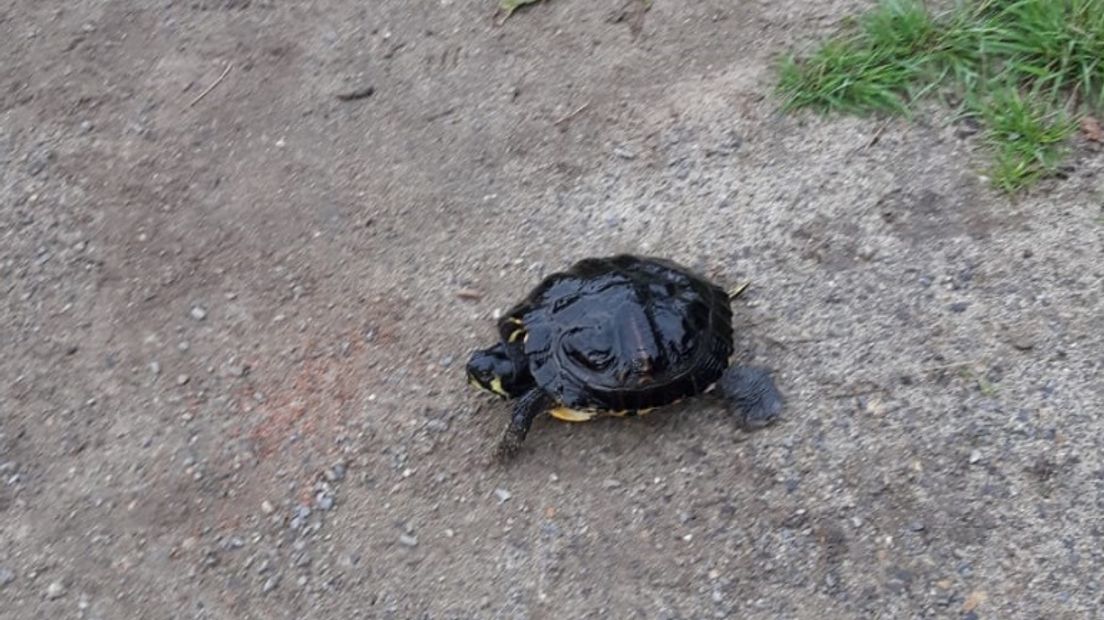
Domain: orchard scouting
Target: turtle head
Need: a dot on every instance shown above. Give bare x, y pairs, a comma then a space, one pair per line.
496, 370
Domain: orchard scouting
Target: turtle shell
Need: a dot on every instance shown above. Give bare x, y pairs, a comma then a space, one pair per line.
623, 333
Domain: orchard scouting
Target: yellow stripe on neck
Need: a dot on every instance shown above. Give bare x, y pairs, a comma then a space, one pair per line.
496, 387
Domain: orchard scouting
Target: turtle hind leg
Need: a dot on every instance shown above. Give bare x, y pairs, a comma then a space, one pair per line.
528, 406
750, 392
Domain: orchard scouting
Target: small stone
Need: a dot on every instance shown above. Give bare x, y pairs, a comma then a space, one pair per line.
408, 540
447, 360
55, 590
183, 346
271, 583
86, 126
38, 161
610, 483
975, 456
267, 507
624, 153
6, 576
437, 426
503, 495
449, 533
867, 252
335, 473
199, 313
1021, 337
299, 519
959, 307
323, 501
182, 379
917, 526
155, 367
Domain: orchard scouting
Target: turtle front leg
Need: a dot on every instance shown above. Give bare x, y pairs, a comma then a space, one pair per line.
528, 406
751, 393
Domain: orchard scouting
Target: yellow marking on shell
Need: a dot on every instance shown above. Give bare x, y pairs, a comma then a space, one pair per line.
514, 320
579, 415
496, 387
571, 415
517, 333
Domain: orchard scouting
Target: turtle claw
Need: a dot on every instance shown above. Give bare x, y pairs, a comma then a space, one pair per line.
509, 446
752, 395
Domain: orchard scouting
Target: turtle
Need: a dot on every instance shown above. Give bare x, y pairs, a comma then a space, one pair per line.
618, 335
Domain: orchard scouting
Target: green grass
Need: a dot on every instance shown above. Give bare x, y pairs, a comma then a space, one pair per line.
1026, 68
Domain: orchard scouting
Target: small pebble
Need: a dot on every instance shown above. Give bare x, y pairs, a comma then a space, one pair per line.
199, 313
55, 590
6, 576
975, 456
182, 379
324, 501
335, 473
267, 507
503, 495
610, 483
959, 307
408, 540
155, 367
271, 583
917, 526
300, 517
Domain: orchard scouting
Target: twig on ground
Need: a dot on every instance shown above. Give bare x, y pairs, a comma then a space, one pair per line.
579, 110
207, 90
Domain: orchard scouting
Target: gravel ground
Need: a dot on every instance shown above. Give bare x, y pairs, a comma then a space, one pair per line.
246, 247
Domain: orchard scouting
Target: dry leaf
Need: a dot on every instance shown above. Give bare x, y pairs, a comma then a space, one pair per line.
1092, 129
977, 597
